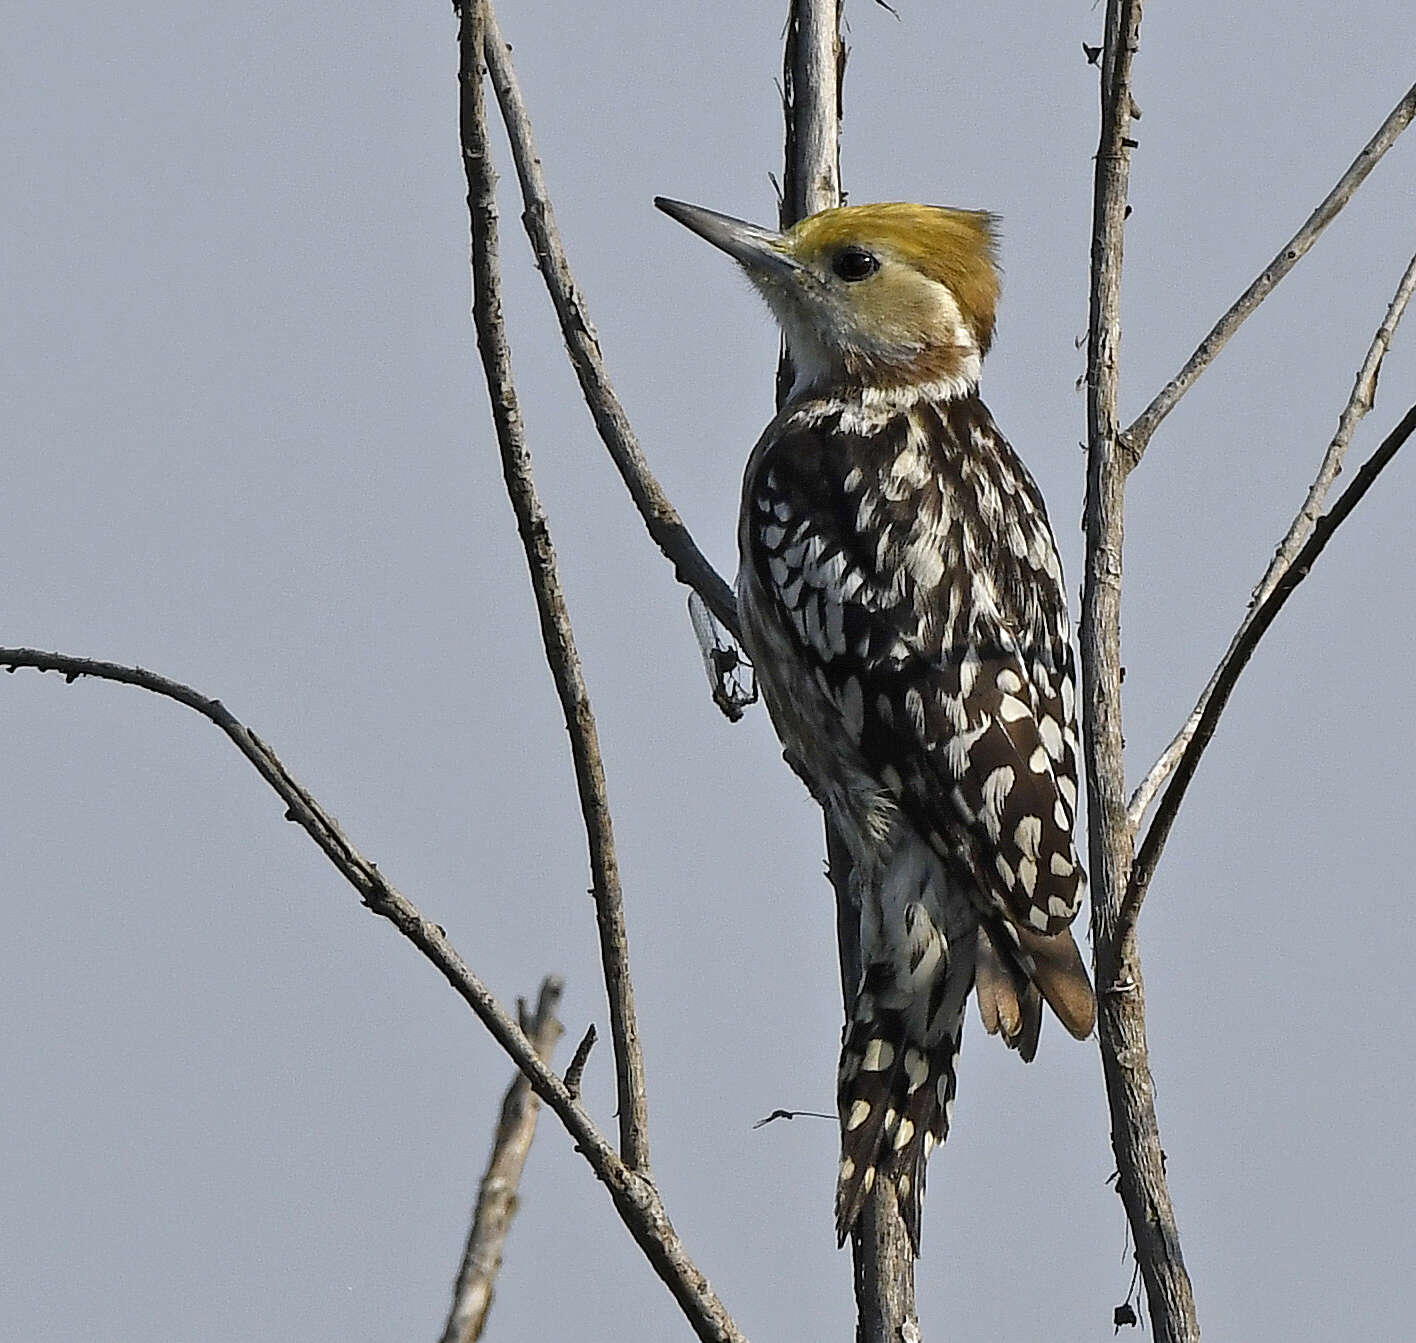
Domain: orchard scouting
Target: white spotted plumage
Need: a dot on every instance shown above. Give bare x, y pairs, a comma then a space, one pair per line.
917, 665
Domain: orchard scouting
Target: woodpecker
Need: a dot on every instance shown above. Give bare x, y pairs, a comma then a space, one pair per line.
902, 600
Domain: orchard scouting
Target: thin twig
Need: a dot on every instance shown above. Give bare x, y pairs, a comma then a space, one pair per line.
497, 1194
1138, 435
634, 1195
791, 1114
665, 526
1238, 656
1364, 390
556, 633
1135, 1137
576, 1071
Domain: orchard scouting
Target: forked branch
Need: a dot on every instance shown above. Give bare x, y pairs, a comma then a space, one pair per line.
1138, 436
1364, 391
635, 1196
1238, 657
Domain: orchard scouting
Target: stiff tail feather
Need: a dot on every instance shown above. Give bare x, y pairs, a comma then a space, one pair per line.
896, 1099
1021, 970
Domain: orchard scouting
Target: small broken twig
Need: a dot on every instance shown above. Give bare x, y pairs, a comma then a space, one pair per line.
576, 1071
790, 1114
497, 1196
731, 680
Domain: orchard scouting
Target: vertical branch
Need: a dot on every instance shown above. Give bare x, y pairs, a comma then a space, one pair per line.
496, 1196
813, 71
813, 67
1108, 834
556, 631
1135, 1137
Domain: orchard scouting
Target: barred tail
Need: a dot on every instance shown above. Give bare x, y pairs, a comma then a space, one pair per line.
896, 1098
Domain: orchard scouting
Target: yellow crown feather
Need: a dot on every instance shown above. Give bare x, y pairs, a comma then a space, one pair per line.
957, 248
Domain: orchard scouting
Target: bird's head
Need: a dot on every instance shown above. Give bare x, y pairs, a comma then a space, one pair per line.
892, 297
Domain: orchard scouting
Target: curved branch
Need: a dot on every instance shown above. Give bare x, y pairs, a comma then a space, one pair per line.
665, 526
1138, 435
1238, 657
634, 1195
1364, 392
556, 633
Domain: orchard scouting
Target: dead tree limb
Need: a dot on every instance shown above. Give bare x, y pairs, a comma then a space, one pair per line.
1364, 391
813, 77
497, 1194
813, 73
665, 525
635, 1198
1136, 438
556, 633
1238, 657
1135, 1137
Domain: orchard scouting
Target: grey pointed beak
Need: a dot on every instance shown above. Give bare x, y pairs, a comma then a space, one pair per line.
760, 250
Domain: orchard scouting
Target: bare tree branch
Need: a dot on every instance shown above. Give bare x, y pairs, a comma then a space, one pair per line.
813, 70
556, 630
1364, 391
1135, 1137
1238, 657
661, 518
1138, 435
497, 1194
634, 1195
813, 74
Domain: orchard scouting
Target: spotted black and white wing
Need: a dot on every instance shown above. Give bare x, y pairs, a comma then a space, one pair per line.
910, 565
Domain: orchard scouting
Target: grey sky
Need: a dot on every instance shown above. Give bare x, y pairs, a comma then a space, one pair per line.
245, 445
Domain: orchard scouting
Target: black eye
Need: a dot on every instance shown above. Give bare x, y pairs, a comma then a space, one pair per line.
855, 263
